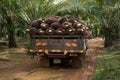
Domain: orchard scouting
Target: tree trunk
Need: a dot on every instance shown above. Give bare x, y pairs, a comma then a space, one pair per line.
96, 31
11, 35
108, 38
111, 36
1, 28
108, 41
11, 38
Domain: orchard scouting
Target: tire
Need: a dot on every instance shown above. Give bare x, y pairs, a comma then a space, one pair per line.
76, 62
65, 62
44, 61
51, 61
81, 55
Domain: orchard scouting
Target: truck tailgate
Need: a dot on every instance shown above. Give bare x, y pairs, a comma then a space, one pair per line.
57, 43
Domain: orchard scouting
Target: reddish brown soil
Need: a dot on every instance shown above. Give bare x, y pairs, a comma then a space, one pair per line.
19, 66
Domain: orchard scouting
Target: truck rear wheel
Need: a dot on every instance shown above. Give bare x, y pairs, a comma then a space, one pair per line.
51, 61
81, 55
44, 61
76, 62
65, 62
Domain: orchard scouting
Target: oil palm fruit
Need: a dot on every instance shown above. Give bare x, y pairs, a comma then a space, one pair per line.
41, 20
35, 23
73, 21
78, 25
41, 32
55, 25
60, 31
71, 31
66, 25
49, 20
50, 31
32, 30
44, 26
79, 31
62, 19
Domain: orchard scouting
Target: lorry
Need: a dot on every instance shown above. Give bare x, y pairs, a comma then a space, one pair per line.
58, 49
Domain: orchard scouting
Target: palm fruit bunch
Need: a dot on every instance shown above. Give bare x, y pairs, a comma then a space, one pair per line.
56, 25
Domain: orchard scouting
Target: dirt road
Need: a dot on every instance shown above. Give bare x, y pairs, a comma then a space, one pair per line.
19, 66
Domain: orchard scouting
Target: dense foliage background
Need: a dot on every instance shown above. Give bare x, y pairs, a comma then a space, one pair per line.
103, 16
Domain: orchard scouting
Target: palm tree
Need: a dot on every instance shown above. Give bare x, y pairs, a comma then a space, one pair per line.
107, 13
8, 12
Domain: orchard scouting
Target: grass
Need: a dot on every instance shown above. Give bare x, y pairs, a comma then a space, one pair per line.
108, 65
22, 43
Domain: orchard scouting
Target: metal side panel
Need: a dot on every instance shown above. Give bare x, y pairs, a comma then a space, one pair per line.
55, 43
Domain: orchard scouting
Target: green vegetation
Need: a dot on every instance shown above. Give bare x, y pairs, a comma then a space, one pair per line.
103, 16
108, 65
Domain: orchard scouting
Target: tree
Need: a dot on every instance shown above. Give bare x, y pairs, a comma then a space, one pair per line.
9, 11
107, 12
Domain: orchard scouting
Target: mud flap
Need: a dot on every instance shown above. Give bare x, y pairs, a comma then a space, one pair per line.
76, 62
31, 54
44, 61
